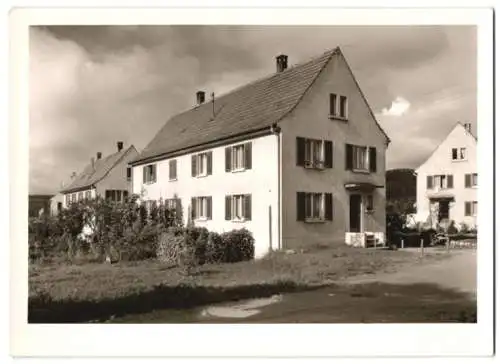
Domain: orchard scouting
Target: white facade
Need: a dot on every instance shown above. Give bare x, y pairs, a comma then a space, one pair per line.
454, 159
261, 182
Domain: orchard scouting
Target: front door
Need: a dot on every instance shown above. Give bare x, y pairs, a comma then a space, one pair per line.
355, 213
444, 210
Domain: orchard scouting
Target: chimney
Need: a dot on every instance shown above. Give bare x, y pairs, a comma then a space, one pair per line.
73, 175
200, 97
468, 126
281, 63
120, 146
99, 155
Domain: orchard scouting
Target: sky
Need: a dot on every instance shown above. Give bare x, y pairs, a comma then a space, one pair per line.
91, 86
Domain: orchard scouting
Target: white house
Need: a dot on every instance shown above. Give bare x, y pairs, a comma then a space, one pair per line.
109, 177
297, 158
447, 180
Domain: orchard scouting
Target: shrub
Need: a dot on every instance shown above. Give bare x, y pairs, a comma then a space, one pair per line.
464, 228
452, 229
170, 246
239, 245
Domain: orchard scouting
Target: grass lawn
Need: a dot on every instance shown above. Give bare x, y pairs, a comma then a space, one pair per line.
128, 286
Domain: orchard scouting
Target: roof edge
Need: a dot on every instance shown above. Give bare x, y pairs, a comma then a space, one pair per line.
267, 130
104, 176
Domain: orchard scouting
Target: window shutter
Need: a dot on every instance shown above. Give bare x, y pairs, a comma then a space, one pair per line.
328, 206
301, 151
301, 206
248, 207
209, 207
373, 159
468, 180
328, 154
348, 156
248, 155
144, 171
228, 159
429, 182
333, 101
175, 169
209, 163
153, 167
454, 153
228, 207
193, 208
467, 208
178, 207
450, 181
193, 165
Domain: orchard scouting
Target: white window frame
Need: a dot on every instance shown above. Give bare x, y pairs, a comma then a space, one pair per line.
237, 208
201, 212
473, 208
357, 149
336, 114
314, 153
473, 180
201, 165
312, 200
238, 158
149, 175
461, 154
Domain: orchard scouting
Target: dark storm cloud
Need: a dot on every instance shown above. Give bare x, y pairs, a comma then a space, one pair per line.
93, 85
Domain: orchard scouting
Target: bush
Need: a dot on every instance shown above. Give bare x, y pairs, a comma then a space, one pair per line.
238, 246
170, 246
452, 229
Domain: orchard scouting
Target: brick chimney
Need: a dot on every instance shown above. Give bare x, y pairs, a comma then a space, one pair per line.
468, 126
200, 97
281, 63
99, 155
120, 146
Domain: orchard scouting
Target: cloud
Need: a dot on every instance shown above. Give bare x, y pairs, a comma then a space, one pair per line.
398, 107
93, 85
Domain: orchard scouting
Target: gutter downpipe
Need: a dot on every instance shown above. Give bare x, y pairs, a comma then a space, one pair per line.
276, 130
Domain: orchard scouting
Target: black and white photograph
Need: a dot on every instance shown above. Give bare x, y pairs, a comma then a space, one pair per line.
254, 174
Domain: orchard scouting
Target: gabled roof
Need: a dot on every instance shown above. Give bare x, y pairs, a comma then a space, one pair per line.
91, 175
253, 107
468, 132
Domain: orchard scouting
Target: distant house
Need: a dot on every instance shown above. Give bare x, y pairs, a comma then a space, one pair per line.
109, 177
297, 158
447, 181
38, 205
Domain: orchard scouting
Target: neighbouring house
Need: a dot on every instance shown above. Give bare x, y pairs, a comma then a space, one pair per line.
297, 158
38, 205
109, 177
447, 180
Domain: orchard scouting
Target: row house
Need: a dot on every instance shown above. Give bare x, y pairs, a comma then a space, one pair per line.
109, 177
297, 158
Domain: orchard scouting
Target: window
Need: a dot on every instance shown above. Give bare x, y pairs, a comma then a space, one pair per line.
116, 195
59, 206
149, 173
73, 197
80, 196
458, 154
338, 106
172, 170
201, 164
440, 181
314, 153
471, 180
314, 206
361, 158
87, 195
201, 208
369, 203
239, 157
470, 208
239, 207
129, 174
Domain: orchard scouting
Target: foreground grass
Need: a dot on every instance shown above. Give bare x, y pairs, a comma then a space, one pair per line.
64, 293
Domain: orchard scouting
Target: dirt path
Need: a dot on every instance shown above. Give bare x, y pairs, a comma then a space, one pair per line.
458, 272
